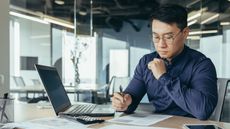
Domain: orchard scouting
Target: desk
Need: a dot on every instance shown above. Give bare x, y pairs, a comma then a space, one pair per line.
81, 88
25, 111
28, 89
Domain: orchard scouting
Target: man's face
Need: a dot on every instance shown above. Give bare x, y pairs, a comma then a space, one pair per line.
168, 39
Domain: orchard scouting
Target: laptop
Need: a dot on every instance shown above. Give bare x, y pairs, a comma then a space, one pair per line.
60, 101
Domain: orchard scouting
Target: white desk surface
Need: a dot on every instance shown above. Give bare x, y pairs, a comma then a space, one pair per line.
25, 112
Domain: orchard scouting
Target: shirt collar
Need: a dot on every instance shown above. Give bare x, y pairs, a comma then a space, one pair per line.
177, 58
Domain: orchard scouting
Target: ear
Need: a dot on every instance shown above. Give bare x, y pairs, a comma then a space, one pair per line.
186, 32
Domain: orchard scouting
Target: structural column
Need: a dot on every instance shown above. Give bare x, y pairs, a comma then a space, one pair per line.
4, 48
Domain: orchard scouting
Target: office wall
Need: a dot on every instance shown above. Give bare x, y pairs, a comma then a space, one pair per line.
217, 48
56, 44
226, 52
135, 54
4, 46
107, 44
118, 63
126, 38
212, 48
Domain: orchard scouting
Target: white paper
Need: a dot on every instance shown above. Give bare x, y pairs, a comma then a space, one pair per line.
140, 119
47, 123
130, 127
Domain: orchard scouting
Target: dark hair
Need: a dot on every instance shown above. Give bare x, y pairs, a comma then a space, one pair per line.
171, 13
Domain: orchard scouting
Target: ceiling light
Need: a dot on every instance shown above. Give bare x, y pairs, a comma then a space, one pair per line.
39, 36
59, 2
210, 18
193, 37
194, 16
192, 3
82, 11
28, 17
203, 32
192, 22
197, 14
59, 22
225, 23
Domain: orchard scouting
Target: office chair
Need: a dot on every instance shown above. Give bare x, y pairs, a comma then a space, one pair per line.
36, 81
225, 116
21, 83
42, 96
222, 84
117, 82
106, 92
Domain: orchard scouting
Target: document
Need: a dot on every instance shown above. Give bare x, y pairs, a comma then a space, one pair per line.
47, 123
130, 127
141, 119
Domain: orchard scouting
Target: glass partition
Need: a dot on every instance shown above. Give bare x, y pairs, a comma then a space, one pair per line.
31, 45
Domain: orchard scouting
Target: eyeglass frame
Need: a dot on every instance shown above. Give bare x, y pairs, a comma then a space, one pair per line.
163, 38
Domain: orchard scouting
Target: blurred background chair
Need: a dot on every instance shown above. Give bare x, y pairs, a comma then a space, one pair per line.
36, 81
222, 84
21, 83
225, 115
117, 82
40, 96
105, 93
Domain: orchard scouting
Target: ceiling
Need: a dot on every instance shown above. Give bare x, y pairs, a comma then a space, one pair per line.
114, 13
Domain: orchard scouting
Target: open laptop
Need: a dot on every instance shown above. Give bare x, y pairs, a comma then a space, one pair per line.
59, 99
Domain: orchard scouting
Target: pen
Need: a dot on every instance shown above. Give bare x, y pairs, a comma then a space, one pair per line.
4, 105
121, 92
119, 113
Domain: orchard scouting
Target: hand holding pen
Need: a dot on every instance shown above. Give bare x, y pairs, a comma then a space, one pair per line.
120, 100
121, 93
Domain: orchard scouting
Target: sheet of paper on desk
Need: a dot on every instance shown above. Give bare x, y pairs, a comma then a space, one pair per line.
130, 127
140, 119
47, 123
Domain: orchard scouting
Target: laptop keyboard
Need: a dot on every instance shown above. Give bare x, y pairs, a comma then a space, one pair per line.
82, 109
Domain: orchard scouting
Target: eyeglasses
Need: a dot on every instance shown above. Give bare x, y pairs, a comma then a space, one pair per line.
168, 38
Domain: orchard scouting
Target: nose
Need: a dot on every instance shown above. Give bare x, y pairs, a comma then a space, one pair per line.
162, 43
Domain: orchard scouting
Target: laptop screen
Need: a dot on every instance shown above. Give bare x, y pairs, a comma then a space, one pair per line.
54, 87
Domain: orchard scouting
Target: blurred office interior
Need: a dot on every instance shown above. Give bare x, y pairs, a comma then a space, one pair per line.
106, 38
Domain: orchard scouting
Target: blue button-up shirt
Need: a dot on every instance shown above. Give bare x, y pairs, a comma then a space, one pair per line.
189, 88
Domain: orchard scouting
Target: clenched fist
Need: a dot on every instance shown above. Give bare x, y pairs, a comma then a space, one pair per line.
157, 66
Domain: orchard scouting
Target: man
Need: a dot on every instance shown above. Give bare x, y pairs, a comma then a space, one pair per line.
178, 80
